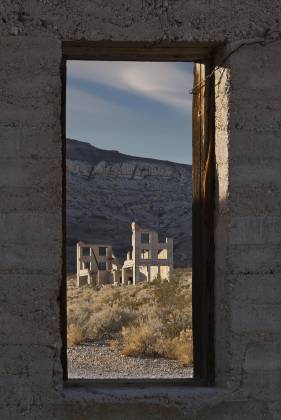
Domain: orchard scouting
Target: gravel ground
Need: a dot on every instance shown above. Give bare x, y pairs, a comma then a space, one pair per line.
98, 360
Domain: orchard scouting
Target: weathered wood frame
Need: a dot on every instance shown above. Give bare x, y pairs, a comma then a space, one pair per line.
203, 195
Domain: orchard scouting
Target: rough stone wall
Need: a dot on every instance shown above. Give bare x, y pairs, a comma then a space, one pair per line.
248, 233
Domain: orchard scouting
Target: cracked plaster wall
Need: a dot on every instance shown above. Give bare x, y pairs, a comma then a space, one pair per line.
248, 228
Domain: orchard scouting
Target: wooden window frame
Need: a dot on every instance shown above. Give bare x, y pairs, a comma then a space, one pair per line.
203, 196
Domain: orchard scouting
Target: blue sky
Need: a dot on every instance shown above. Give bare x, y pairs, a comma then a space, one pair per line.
138, 108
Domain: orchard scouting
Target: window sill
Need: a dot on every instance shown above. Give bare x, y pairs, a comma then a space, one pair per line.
122, 391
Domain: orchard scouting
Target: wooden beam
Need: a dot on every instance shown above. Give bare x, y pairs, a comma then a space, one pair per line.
202, 225
110, 51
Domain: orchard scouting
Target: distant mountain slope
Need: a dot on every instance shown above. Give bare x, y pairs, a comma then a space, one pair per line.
85, 152
107, 190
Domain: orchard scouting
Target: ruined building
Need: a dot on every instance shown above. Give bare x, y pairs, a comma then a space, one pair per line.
151, 256
96, 264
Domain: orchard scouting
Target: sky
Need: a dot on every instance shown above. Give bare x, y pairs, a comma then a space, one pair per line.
138, 108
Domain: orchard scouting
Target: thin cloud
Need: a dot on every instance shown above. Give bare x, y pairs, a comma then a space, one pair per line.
87, 103
89, 113
86, 112
164, 83
102, 110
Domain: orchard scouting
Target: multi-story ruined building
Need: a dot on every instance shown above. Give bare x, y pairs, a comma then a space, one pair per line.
151, 256
96, 264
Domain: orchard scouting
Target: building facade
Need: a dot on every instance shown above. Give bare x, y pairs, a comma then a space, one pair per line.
151, 256
96, 264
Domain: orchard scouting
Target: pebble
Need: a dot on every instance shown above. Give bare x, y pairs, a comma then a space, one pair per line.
98, 360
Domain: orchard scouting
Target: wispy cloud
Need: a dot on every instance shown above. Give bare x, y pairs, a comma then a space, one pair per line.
88, 114
142, 109
164, 83
80, 103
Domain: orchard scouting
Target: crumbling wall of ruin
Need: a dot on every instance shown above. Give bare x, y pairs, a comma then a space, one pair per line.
248, 234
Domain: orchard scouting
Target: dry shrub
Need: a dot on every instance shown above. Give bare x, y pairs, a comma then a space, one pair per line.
173, 305
178, 348
75, 335
145, 340
107, 322
140, 341
155, 319
79, 314
114, 344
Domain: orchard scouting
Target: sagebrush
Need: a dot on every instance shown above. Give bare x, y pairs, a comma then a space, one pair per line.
147, 320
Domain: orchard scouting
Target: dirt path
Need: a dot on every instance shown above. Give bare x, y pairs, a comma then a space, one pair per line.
98, 360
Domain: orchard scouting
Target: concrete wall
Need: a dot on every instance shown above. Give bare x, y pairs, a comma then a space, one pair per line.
248, 229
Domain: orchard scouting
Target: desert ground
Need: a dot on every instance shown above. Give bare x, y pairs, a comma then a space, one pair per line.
141, 331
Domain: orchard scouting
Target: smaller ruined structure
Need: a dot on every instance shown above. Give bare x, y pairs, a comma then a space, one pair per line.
151, 256
96, 264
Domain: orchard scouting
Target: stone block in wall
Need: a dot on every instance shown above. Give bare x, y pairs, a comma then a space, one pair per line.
253, 259
259, 318
30, 143
257, 173
235, 410
275, 409
31, 198
255, 72
243, 118
23, 324
26, 287
260, 230
257, 288
29, 361
250, 145
25, 398
19, 228
256, 201
263, 385
34, 259
30, 57
29, 173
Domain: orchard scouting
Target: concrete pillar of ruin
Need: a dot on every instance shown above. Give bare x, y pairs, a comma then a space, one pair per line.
123, 276
135, 275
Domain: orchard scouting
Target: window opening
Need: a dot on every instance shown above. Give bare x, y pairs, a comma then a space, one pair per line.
144, 238
162, 254
102, 251
162, 238
87, 265
102, 265
86, 252
113, 270
145, 255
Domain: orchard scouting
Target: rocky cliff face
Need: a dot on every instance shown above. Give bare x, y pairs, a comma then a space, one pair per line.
107, 190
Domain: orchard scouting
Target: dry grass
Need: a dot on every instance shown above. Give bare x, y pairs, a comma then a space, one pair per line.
143, 321
106, 322
179, 348
146, 341
140, 340
74, 335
